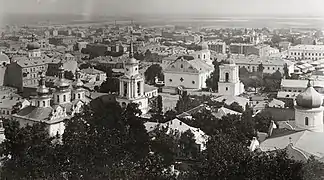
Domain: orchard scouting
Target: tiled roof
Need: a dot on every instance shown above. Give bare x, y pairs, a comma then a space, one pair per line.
256, 60
293, 83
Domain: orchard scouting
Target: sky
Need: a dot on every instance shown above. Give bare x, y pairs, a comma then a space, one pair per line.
157, 7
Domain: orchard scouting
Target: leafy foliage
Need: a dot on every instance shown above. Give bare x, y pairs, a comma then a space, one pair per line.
152, 72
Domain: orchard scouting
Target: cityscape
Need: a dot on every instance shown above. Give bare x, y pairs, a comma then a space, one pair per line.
161, 90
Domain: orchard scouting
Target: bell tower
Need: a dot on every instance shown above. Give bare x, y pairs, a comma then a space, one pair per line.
229, 81
131, 84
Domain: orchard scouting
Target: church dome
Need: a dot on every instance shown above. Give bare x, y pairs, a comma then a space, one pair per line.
310, 98
131, 61
77, 83
33, 46
42, 89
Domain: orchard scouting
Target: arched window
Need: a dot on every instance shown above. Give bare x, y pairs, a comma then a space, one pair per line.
64, 98
204, 56
58, 98
181, 65
306, 121
79, 96
44, 103
226, 88
226, 77
139, 88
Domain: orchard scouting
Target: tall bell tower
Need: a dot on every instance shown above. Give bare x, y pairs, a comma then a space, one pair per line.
131, 84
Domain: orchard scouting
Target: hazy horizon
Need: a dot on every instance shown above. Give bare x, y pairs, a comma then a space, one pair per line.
165, 7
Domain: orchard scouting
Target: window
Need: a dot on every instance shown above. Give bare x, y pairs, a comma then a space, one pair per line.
64, 98
139, 88
170, 80
226, 77
44, 103
268, 68
306, 121
181, 79
125, 89
79, 96
226, 88
273, 68
38, 104
58, 98
181, 65
198, 56
123, 104
127, 69
204, 56
193, 82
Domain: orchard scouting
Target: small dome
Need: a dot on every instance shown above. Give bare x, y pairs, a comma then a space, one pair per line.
33, 45
77, 83
310, 98
132, 61
42, 89
61, 83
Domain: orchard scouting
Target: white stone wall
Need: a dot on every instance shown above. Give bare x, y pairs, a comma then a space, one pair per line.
315, 119
55, 129
231, 89
190, 81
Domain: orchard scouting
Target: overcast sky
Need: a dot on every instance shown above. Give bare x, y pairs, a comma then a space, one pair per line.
126, 7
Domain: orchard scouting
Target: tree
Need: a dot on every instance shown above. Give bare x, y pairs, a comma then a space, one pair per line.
262, 121
188, 146
226, 158
68, 75
31, 152
111, 85
85, 66
313, 169
154, 71
212, 81
260, 68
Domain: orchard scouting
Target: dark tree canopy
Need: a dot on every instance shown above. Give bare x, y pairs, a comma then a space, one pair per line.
154, 71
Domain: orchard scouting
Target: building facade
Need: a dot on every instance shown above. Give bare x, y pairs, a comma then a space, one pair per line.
301, 52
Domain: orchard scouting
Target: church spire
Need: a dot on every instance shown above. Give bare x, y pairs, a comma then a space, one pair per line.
131, 51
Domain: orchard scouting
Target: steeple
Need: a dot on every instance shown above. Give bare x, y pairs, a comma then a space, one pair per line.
61, 82
131, 50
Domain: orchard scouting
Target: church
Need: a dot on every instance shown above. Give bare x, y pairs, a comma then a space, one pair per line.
53, 108
302, 137
229, 83
189, 74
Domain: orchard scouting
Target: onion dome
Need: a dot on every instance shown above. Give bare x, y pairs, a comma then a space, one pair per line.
77, 83
42, 89
33, 46
310, 98
203, 44
61, 82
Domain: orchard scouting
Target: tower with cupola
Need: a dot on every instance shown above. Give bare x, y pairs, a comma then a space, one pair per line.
62, 94
204, 52
33, 48
43, 97
78, 92
309, 110
131, 84
229, 81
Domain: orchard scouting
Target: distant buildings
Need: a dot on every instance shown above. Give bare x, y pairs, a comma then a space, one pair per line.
301, 52
240, 48
218, 47
270, 64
